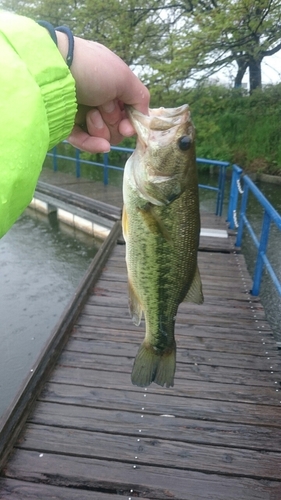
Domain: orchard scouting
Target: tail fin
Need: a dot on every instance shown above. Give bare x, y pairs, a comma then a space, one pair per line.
152, 366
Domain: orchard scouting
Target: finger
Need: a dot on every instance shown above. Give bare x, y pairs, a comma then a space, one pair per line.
96, 127
82, 140
112, 115
126, 129
136, 94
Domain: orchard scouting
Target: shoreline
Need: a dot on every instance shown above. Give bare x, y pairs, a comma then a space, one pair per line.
270, 179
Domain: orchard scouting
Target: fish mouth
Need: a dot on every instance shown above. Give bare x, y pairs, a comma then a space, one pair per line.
160, 125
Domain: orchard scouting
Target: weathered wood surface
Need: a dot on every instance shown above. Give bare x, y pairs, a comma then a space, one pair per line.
215, 436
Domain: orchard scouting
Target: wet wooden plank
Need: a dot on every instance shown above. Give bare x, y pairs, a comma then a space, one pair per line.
159, 452
211, 304
159, 426
121, 399
186, 312
150, 481
113, 288
126, 323
198, 332
12, 489
192, 371
183, 388
184, 340
184, 354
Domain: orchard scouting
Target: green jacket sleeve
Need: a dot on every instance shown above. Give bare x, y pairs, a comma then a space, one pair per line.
37, 109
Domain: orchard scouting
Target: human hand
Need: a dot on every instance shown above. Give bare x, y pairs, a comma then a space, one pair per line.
104, 83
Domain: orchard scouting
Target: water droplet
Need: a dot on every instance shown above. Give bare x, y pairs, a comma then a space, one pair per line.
138, 440
134, 466
142, 409
141, 416
139, 430
136, 457
145, 389
144, 395
31, 370
41, 455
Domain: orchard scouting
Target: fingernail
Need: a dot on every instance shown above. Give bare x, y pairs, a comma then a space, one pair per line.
97, 120
108, 107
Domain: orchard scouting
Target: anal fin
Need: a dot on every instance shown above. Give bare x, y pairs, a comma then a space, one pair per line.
134, 305
195, 293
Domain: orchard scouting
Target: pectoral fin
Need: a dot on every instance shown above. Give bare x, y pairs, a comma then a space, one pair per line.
195, 293
134, 305
154, 222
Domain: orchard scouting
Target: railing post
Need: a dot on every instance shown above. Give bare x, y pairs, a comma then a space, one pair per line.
261, 252
220, 196
77, 163
105, 169
233, 196
55, 160
242, 216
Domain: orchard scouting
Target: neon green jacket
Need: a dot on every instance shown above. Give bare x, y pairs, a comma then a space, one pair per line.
37, 109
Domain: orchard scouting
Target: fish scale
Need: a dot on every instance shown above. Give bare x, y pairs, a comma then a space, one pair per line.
161, 226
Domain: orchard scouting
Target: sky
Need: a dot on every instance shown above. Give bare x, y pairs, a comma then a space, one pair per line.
271, 68
271, 72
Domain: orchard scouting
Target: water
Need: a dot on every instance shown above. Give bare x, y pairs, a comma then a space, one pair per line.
41, 264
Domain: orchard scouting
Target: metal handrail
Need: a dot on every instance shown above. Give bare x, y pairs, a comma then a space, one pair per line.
270, 214
243, 184
222, 165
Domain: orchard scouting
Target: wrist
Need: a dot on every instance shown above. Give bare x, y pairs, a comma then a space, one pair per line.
62, 40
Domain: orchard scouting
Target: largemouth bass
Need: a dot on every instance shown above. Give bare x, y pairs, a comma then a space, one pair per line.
161, 226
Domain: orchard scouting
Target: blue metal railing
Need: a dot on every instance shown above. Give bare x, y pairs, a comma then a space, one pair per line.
81, 161
222, 165
243, 184
270, 214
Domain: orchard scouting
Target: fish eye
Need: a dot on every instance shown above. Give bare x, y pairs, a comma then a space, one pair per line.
184, 143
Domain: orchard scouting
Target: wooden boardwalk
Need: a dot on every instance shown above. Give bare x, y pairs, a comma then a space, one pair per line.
215, 436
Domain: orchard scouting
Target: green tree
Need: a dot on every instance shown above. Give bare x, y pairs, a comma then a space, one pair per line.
170, 41
126, 27
213, 34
